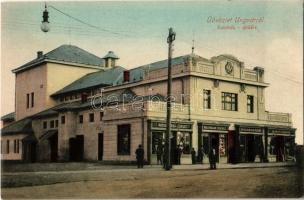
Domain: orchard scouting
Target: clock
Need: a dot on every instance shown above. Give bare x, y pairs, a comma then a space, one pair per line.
229, 68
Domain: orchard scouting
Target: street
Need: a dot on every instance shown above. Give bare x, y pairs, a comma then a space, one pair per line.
156, 183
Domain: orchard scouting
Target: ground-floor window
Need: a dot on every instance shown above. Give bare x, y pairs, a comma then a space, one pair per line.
280, 148
251, 148
183, 140
123, 139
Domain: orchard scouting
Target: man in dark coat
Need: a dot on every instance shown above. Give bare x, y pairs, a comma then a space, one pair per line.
140, 156
212, 158
193, 156
159, 152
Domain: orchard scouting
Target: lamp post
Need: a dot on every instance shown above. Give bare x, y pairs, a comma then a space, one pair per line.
167, 163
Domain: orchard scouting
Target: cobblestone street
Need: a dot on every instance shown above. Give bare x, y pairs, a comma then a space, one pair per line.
153, 182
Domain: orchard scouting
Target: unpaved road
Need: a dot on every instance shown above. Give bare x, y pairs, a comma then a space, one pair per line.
156, 183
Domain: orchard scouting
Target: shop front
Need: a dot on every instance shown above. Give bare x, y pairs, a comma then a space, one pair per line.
251, 140
281, 144
181, 142
214, 136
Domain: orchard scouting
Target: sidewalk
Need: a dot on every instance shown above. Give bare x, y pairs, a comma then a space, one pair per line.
63, 168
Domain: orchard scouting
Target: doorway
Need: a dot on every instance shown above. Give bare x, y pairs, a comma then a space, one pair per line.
100, 146
53, 141
76, 148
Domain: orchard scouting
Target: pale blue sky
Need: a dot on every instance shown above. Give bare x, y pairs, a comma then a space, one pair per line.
276, 45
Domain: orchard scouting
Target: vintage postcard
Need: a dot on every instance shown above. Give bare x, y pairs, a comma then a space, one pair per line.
151, 99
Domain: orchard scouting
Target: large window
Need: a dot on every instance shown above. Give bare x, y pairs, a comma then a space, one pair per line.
250, 104
91, 117
207, 99
229, 101
123, 139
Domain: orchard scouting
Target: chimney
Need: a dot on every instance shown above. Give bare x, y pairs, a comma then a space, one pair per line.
84, 97
110, 59
126, 76
39, 54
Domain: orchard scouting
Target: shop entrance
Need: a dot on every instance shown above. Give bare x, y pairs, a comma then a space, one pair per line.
100, 146
158, 142
217, 141
251, 148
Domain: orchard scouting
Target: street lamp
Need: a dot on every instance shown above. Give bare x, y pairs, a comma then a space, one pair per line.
45, 25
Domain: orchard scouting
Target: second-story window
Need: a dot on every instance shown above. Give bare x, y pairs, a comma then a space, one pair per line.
229, 101
207, 99
91, 117
80, 119
52, 124
45, 125
27, 100
250, 104
32, 99
63, 119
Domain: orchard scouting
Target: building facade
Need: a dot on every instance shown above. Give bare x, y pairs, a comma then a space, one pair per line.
88, 108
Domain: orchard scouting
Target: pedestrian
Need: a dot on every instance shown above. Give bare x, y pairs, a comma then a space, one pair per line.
159, 153
212, 158
140, 156
193, 156
200, 155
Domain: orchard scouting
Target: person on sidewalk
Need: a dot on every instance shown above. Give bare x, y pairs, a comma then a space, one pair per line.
193, 156
159, 153
140, 156
212, 158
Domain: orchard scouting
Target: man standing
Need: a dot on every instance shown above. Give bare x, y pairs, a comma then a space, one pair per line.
140, 156
159, 152
212, 158
193, 156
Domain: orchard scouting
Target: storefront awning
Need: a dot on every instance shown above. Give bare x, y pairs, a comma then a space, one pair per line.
48, 134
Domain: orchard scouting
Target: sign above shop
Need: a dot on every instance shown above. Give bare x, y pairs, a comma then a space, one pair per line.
215, 127
174, 125
244, 129
280, 131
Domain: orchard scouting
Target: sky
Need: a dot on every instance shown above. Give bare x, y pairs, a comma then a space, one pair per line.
137, 33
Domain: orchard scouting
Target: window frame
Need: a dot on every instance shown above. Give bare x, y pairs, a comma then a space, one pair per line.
229, 101
206, 99
7, 146
27, 100
126, 130
80, 119
32, 99
91, 117
250, 104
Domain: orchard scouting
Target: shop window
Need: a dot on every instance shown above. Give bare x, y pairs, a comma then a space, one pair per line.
56, 123
63, 119
45, 125
207, 99
184, 142
229, 101
52, 124
7, 146
250, 104
91, 117
123, 139
80, 119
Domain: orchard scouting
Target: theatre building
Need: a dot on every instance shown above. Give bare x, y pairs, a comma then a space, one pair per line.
87, 108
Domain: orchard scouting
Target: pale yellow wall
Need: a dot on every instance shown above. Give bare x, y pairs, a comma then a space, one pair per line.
11, 155
32, 80
59, 76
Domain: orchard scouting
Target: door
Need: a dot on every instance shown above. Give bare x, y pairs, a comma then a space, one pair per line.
100, 146
53, 140
214, 143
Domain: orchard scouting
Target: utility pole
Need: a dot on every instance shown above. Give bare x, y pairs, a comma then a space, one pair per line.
167, 163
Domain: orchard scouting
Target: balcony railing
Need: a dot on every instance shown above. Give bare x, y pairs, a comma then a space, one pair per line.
279, 117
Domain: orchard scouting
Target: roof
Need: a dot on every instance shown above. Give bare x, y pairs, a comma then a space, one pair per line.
100, 78
68, 54
111, 54
8, 117
22, 126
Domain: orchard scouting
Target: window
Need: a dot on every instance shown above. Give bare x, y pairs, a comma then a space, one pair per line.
32, 99
63, 119
27, 100
80, 119
123, 139
16, 146
101, 115
250, 104
52, 124
229, 101
7, 146
207, 99
56, 123
45, 125
91, 117
61, 99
